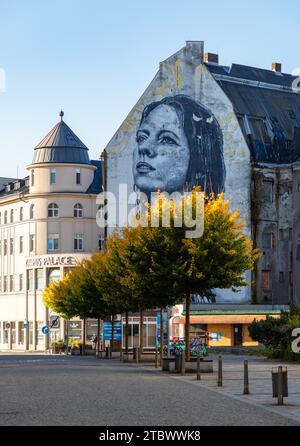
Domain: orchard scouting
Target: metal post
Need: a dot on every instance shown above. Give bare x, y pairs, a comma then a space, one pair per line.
156, 358
280, 386
246, 378
198, 368
182, 363
220, 372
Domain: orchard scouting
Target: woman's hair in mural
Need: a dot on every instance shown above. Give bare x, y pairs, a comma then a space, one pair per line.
205, 140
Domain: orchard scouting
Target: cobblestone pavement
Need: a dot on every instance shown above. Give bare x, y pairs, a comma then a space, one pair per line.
59, 390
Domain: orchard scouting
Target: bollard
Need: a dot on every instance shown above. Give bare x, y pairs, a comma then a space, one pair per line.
246, 378
156, 359
182, 363
220, 373
198, 368
280, 386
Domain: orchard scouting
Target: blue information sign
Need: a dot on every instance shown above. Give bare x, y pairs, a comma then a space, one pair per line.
107, 331
45, 329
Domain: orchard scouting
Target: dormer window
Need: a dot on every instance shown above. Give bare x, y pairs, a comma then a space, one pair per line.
7, 188
53, 176
17, 185
78, 176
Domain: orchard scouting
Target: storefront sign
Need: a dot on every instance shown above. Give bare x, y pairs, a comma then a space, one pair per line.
51, 261
107, 331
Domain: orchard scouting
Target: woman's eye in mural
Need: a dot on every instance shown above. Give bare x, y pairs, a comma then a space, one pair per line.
140, 137
168, 140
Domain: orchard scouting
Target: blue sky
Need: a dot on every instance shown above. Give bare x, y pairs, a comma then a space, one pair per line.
94, 58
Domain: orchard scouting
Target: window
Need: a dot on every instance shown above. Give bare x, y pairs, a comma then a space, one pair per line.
281, 234
5, 247
281, 277
78, 242
21, 214
11, 246
267, 240
78, 211
31, 212
11, 283
5, 284
40, 283
32, 178
53, 176
265, 280
53, 242
21, 282
267, 191
31, 242
290, 234
52, 210
78, 176
12, 216
53, 275
101, 243
5, 217
21, 244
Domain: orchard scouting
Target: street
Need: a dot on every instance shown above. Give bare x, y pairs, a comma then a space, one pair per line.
58, 390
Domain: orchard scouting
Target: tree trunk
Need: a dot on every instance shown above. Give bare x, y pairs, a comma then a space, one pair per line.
83, 337
98, 337
67, 337
161, 334
187, 327
112, 332
141, 334
126, 334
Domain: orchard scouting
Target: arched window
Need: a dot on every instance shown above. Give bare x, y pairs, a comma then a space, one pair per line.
52, 210
21, 214
31, 211
12, 216
5, 217
78, 211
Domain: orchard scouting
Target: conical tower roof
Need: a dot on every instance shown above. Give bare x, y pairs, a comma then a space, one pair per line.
61, 145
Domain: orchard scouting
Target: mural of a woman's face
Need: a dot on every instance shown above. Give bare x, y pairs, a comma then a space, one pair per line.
161, 157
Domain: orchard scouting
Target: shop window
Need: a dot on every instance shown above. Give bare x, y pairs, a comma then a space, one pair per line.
40, 282
30, 279
53, 275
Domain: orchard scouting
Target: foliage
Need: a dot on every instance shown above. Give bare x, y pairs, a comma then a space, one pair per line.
276, 334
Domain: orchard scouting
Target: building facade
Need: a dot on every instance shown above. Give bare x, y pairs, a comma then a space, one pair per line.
226, 128
48, 225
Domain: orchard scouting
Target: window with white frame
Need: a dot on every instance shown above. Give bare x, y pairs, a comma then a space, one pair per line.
53, 176
12, 216
78, 176
21, 284
32, 178
5, 217
31, 212
31, 242
52, 210
53, 242
11, 246
21, 244
21, 214
78, 242
11, 283
78, 211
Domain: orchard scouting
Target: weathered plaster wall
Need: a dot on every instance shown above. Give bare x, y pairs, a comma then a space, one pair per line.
184, 73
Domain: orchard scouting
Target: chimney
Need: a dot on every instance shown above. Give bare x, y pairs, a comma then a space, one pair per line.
276, 67
211, 58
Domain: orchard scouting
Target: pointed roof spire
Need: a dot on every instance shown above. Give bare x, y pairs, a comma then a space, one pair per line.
61, 145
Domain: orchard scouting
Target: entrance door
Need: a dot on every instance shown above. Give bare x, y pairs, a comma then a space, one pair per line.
237, 334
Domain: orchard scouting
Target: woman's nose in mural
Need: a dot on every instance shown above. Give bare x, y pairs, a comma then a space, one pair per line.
147, 149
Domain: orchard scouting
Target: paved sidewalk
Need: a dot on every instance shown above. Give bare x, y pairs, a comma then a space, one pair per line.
260, 383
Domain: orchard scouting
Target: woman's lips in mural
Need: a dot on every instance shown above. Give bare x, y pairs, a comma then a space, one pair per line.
143, 167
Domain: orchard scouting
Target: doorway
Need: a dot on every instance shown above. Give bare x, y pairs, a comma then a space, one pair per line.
237, 334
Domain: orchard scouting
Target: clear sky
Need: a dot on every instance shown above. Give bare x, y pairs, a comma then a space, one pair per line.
94, 58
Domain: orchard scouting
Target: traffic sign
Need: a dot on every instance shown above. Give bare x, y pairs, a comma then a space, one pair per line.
45, 329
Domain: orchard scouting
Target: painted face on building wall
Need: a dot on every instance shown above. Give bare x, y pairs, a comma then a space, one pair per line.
162, 155
179, 144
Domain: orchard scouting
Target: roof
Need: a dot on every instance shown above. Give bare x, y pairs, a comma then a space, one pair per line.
268, 110
61, 145
16, 186
5, 180
96, 185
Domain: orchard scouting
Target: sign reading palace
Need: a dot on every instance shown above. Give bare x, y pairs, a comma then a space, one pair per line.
51, 261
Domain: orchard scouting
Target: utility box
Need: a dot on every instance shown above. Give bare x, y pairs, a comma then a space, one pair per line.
275, 381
